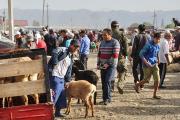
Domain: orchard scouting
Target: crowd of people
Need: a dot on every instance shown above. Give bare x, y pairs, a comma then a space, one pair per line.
149, 55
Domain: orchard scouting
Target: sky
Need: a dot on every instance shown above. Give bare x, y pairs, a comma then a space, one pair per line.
97, 5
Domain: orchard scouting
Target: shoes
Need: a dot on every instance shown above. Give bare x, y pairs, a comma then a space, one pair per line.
162, 87
156, 97
120, 90
141, 87
104, 102
57, 114
136, 88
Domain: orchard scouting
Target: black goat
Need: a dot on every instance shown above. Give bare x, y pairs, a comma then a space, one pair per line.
88, 75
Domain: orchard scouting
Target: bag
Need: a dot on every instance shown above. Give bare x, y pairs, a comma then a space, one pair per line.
121, 68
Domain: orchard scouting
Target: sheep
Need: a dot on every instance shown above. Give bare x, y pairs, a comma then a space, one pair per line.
87, 75
81, 89
20, 78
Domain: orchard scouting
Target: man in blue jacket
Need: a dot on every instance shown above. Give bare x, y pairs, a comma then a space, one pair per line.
149, 56
84, 48
61, 62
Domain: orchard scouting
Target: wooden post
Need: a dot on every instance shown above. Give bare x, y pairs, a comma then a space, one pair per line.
11, 20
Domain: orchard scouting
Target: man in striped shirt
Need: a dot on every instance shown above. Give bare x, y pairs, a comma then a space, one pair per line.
107, 62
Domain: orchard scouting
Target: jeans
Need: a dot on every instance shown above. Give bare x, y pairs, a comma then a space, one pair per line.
136, 62
162, 72
106, 76
84, 59
59, 97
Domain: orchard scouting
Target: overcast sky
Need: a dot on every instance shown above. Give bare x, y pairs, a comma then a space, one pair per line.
105, 5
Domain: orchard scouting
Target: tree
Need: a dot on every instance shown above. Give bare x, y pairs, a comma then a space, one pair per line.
35, 23
134, 25
171, 25
147, 24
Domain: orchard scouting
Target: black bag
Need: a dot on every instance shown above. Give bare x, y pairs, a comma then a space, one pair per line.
121, 68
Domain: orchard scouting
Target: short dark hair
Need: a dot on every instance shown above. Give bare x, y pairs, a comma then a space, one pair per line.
74, 43
114, 24
109, 31
82, 31
157, 35
63, 31
141, 27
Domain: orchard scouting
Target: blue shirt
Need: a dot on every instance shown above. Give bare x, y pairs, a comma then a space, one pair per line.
150, 52
85, 45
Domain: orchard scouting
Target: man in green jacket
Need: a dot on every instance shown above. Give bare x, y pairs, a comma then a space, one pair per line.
121, 68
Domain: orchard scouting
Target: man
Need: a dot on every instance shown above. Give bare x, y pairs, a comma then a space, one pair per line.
149, 56
40, 43
163, 57
107, 62
139, 42
61, 67
122, 55
84, 48
135, 32
64, 37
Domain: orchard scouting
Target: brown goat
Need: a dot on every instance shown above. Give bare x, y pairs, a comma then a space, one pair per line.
81, 89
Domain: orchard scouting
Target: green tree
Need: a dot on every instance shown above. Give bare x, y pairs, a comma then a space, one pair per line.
171, 25
147, 24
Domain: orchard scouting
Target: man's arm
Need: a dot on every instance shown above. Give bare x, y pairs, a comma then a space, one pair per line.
142, 53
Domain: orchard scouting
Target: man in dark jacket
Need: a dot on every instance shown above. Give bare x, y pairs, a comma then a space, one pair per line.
139, 42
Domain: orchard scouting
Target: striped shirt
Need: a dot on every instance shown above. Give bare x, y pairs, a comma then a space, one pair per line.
108, 52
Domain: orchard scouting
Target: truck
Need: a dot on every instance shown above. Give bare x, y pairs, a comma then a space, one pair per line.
10, 66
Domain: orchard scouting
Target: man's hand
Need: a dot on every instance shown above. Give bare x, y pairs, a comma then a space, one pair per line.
130, 58
98, 67
105, 66
148, 64
66, 85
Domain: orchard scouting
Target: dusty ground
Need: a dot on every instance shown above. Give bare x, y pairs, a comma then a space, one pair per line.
133, 106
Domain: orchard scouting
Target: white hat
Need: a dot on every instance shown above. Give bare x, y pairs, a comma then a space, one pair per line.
18, 33
37, 36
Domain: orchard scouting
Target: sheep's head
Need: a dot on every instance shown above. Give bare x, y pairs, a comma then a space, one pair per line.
79, 65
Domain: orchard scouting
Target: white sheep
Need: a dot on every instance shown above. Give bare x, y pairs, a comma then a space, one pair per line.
81, 89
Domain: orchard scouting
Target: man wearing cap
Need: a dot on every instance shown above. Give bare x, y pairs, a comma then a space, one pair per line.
122, 55
29, 40
61, 62
40, 43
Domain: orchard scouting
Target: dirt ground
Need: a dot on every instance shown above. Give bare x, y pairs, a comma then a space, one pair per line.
131, 105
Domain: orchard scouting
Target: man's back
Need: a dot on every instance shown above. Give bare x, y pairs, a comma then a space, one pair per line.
122, 40
139, 41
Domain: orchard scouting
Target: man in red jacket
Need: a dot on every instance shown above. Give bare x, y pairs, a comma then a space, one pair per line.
40, 43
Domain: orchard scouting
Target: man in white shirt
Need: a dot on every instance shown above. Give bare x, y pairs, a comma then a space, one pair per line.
163, 57
61, 62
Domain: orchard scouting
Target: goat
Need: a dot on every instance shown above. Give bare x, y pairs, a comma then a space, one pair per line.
87, 75
83, 90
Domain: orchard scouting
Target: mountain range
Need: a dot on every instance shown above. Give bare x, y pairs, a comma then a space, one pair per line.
94, 19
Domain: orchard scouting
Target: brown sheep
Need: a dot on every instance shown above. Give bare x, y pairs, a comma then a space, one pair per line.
81, 89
